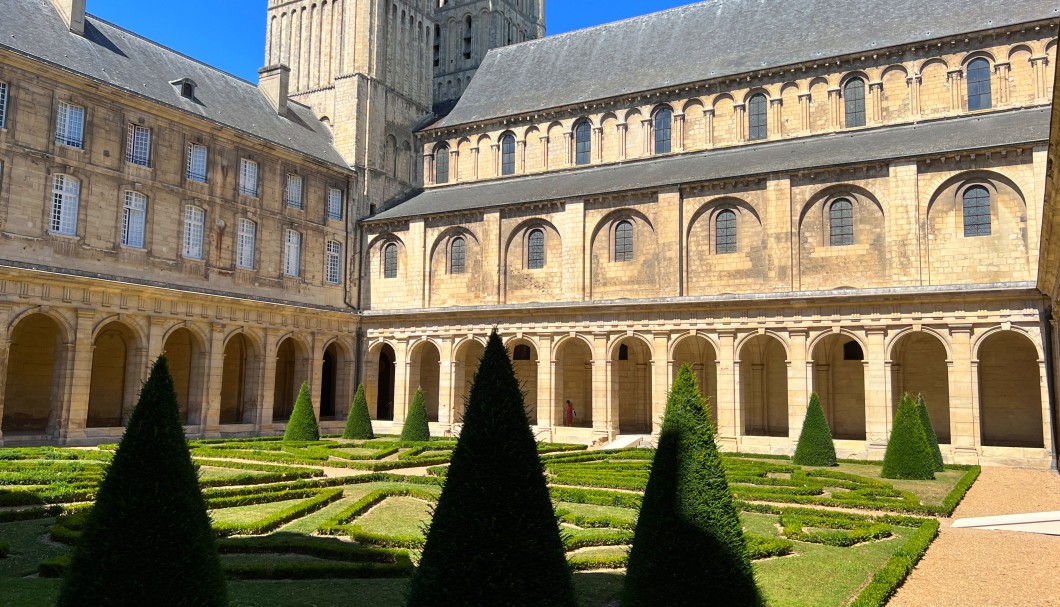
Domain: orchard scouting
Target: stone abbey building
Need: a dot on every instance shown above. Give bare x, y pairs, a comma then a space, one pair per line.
860, 211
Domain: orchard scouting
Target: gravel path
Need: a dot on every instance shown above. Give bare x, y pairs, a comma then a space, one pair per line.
980, 568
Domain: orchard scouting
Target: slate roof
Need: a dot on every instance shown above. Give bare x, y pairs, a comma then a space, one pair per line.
985, 131
711, 40
122, 59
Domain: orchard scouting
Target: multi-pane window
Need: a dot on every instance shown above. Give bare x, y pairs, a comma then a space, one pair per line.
457, 255
979, 97
248, 177
976, 211
508, 154
134, 218
624, 241
66, 195
535, 249
194, 224
292, 253
333, 262
441, 164
197, 163
390, 261
757, 118
663, 125
70, 125
334, 203
725, 232
841, 223
138, 147
583, 145
247, 234
3, 105
294, 191
854, 102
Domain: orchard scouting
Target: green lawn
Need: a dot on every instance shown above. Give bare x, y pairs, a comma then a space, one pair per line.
399, 516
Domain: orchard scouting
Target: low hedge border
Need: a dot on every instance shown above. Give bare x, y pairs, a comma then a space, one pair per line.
29, 514
376, 455
314, 571
598, 497
52, 453
337, 524
764, 547
589, 563
597, 537
594, 522
836, 530
956, 495
277, 519
319, 547
265, 497
887, 580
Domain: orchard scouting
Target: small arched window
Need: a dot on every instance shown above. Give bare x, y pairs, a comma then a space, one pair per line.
841, 223
854, 102
976, 211
390, 261
623, 352
521, 352
624, 241
663, 127
979, 97
508, 154
535, 250
441, 164
457, 255
725, 232
757, 118
583, 146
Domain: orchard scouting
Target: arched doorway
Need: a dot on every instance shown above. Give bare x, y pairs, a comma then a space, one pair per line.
574, 382
918, 366
333, 391
33, 382
423, 374
467, 359
699, 354
1010, 393
292, 369
764, 387
524, 361
238, 393
114, 382
631, 385
839, 380
384, 403
184, 353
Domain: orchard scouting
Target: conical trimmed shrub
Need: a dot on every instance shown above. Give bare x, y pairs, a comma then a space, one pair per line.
303, 423
815, 446
688, 548
494, 539
929, 432
147, 540
908, 455
359, 421
416, 428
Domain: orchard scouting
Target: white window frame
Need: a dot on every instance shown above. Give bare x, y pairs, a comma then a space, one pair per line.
248, 177
246, 237
333, 263
70, 125
66, 198
335, 203
194, 230
292, 253
134, 220
294, 195
138, 145
3, 105
198, 155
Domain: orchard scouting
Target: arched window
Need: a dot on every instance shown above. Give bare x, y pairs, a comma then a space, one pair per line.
976, 211
725, 232
508, 154
841, 223
583, 146
535, 249
623, 352
390, 261
457, 255
663, 121
757, 119
854, 102
624, 241
979, 84
522, 352
441, 164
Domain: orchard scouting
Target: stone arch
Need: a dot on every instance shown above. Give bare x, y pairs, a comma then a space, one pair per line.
34, 385
467, 354
694, 133
1021, 82
381, 367
741, 264
725, 126
630, 361
634, 134
838, 361
524, 355
184, 349
335, 380
523, 283
425, 362
376, 261
934, 87
115, 378
488, 163
701, 354
820, 114
240, 370
764, 385
919, 365
573, 380
855, 253
757, 90
292, 368
895, 98
455, 288
557, 154
1010, 391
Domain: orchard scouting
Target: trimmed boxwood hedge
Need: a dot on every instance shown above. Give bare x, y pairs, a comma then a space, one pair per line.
909, 454
929, 432
359, 420
303, 423
886, 581
815, 446
275, 520
415, 427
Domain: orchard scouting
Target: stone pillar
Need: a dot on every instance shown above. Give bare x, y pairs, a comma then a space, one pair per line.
604, 423
77, 378
728, 391
211, 403
834, 115
708, 126
316, 370
495, 154
741, 122
963, 380
402, 368
955, 77
660, 379
622, 128
877, 395
454, 165
544, 152
474, 162
876, 98
1041, 76
679, 132
804, 113
268, 383
5, 355
428, 169
447, 385
776, 117
914, 82
798, 380
648, 148
546, 406
598, 143
520, 156
156, 328
567, 147
1001, 86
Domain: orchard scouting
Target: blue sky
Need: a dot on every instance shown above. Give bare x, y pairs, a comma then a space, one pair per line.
230, 34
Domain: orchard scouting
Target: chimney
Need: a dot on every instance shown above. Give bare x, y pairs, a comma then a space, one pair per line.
73, 13
274, 80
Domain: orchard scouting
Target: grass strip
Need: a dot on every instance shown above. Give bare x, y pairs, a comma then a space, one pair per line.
277, 519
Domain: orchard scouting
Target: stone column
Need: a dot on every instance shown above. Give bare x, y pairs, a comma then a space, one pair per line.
877, 399
77, 378
741, 122
660, 379
495, 153
955, 77
428, 169
598, 143
5, 355
454, 165
708, 126
268, 383
603, 423
567, 147
474, 162
520, 156
1001, 87
546, 367
728, 391
402, 367
316, 370
648, 148
622, 127
798, 394
804, 106
914, 82
834, 99
1041, 76
776, 117
964, 418
876, 98
211, 404
544, 152
447, 385
679, 132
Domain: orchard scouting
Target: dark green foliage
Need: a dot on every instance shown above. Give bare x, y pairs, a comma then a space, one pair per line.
148, 540
359, 421
929, 432
909, 455
416, 428
689, 548
303, 423
887, 580
815, 442
494, 539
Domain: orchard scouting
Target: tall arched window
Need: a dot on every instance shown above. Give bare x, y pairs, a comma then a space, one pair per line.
757, 118
535, 249
841, 223
390, 261
725, 232
583, 146
441, 164
979, 84
854, 102
624, 241
457, 255
663, 121
508, 154
976, 211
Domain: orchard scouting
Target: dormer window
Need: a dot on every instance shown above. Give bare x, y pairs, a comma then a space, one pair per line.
186, 86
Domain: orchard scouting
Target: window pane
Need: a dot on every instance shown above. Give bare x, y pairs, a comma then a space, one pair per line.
841, 223
457, 253
3, 105
663, 122
334, 203
292, 253
334, 262
70, 125
757, 119
583, 143
854, 102
194, 221
66, 193
535, 257
294, 191
135, 213
245, 246
197, 163
138, 148
508, 155
624, 241
979, 85
441, 165
248, 177
390, 261
976, 211
725, 232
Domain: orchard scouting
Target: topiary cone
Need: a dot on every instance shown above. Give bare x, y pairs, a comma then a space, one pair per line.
494, 539
815, 446
908, 455
929, 432
688, 548
416, 427
359, 421
147, 540
303, 423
